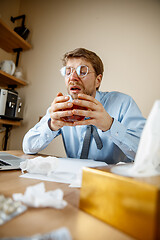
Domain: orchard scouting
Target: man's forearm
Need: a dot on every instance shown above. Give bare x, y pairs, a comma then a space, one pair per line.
38, 138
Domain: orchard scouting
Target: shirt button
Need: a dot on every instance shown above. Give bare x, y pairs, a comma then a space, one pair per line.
116, 134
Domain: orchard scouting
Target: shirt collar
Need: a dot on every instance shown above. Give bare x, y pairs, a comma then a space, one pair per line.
97, 97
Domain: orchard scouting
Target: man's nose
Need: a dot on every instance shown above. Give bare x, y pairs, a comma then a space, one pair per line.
74, 75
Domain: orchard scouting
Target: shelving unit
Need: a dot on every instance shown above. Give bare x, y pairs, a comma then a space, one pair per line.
10, 122
6, 79
10, 42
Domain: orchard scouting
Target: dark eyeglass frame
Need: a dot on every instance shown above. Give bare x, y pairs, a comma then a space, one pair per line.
78, 71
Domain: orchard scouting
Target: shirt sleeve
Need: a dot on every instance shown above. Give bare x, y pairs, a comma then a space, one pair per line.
38, 137
127, 126
127, 142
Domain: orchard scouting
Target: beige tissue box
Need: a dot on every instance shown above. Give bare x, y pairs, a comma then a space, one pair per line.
129, 204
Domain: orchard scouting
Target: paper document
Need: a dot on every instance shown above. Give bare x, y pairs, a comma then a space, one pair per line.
67, 170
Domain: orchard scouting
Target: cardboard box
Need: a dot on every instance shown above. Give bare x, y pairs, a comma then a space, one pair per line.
129, 204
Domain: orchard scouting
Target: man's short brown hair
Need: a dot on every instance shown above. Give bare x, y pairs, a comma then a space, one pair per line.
90, 56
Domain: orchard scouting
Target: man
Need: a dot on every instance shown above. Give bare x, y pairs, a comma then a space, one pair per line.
113, 119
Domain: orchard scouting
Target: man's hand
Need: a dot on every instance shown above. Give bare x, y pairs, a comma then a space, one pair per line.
59, 104
96, 113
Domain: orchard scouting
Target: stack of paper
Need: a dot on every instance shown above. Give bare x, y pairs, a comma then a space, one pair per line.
67, 170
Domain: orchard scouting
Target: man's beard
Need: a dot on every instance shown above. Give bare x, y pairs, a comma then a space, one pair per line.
90, 92
83, 90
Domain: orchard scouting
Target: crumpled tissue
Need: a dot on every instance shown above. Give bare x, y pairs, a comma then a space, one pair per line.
36, 196
40, 165
147, 160
62, 233
53, 169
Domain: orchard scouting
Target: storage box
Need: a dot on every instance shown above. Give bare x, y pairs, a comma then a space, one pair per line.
129, 204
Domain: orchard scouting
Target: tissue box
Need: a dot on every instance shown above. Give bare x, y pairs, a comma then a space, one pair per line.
129, 204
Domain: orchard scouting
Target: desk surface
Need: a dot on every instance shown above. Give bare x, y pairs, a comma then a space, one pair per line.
81, 225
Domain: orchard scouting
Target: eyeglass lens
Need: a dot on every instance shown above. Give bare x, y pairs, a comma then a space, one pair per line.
81, 70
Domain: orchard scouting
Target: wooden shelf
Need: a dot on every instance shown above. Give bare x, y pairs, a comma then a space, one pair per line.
6, 79
10, 122
10, 40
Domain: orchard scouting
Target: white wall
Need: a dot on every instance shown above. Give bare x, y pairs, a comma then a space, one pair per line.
125, 34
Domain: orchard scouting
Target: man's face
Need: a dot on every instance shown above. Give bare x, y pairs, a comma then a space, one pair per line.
86, 84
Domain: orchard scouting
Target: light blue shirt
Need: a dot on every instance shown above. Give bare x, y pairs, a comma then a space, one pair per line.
120, 143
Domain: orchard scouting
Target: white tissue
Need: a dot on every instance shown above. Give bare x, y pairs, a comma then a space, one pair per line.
40, 165
147, 160
35, 196
62, 233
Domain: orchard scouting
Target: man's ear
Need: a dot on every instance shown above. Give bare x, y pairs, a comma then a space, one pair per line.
98, 80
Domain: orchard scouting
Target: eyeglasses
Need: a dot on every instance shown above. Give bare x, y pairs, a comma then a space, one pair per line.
81, 71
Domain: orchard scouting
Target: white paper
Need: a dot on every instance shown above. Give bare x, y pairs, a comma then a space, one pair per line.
67, 170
